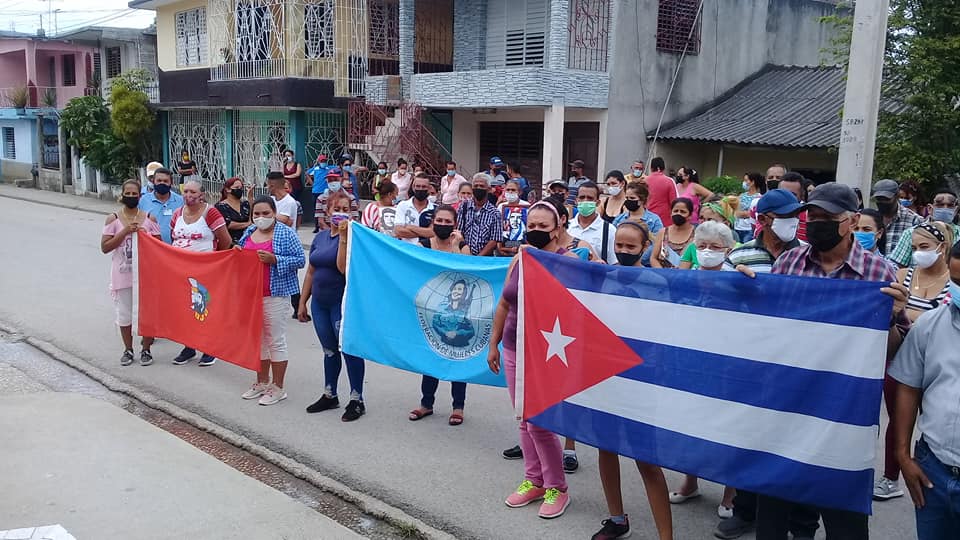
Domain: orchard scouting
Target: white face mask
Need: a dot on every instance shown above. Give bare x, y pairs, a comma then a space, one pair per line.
709, 258
432, 199
785, 228
264, 223
512, 197
613, 191
925, 259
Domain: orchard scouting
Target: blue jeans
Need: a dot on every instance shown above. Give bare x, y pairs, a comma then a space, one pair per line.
939, 518
326, 321
428, 388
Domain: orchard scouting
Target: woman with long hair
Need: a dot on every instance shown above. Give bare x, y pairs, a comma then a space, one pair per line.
688, 187
234, 209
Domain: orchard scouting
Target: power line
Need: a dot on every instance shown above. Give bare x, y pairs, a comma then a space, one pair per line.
97, 21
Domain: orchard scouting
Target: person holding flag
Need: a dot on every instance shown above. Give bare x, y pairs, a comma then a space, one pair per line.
278, 248
542, 452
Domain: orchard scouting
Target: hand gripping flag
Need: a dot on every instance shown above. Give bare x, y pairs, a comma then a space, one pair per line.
421, 310
770, 385
212, 302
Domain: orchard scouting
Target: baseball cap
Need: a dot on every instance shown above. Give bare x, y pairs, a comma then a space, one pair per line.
152, 167
561, 183
334, 173
779, 202
835, 198
578, 163
495, 160
885, 188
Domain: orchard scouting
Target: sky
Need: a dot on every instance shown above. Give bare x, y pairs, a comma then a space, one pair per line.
26, 15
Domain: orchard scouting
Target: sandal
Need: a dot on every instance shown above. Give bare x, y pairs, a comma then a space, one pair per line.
678, 498
419, 414
455, 419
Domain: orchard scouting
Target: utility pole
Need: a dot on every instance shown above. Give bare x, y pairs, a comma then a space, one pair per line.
861, 104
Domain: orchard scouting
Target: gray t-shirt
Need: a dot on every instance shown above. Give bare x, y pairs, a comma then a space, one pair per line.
928, 360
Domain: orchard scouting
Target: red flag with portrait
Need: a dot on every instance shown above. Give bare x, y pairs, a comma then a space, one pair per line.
212, 302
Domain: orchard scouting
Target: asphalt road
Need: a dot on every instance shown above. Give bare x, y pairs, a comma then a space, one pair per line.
53, 285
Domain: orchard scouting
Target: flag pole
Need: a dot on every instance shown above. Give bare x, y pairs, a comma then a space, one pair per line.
521, 339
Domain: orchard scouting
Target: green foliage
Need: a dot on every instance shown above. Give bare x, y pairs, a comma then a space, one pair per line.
50, 97
136, 80
84, 118
18, 97
114, 158
130, 115
840, 25
725, 185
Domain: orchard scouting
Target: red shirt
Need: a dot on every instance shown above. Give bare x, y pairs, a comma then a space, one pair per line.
802, 228
663, 191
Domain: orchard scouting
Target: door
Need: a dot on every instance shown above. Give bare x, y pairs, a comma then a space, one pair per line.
581, 140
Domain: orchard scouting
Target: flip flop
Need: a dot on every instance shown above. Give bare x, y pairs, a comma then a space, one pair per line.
455, 419
419, 414
677, 498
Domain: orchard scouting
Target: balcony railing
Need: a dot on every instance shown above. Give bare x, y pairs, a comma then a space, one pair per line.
39, 97
152, 90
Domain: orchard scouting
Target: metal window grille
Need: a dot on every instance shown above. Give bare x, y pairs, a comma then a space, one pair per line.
520, 142
50, 158
9, 144
202, 133
384, 35
675, 21
326, 134
114, 65
191, 32
589, 34
97, 66
259, 137
433, 36
69, 70
318, 28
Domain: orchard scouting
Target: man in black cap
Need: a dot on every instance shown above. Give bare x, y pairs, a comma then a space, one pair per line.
576, 180
833, 252
896, 218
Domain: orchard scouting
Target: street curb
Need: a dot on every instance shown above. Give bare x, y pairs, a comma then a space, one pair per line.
366, 503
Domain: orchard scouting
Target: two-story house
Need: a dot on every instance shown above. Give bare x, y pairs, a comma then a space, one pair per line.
540, 82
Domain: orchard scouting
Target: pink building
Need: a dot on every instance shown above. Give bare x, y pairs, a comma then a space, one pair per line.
53, 71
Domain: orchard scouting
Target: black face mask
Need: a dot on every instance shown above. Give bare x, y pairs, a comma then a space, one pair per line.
237, 192
678, 220
420, 194
627, 259
886, 207
480, 194
443, 231
823, 235
538, 239
631, 205
162, 189
130, 202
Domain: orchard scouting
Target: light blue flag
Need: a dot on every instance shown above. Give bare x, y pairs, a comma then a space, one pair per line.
420, 310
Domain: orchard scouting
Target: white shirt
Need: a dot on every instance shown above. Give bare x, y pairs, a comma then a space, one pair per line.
287, 206
450, 186
593, 235
402, 182
407, 214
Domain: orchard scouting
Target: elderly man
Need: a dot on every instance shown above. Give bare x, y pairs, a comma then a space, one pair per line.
896, 218
834, 253
478, 219
927, 371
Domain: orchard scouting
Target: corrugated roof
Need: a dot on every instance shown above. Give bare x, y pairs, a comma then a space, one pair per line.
780, 106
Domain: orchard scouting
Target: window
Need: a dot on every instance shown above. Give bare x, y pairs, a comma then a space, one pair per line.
516, 32
9, 144
678, 26
69, 70
588, 33
114, 66
254, 25
97, 66
384, 27
318, 29
191, 30
521, 142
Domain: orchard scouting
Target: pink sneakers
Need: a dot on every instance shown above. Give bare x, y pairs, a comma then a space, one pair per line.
526, 493
555, 502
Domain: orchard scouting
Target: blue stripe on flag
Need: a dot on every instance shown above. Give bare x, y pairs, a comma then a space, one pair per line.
770, 386
745, 469
809, 299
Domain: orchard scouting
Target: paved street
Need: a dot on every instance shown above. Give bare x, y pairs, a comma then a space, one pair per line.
54, 286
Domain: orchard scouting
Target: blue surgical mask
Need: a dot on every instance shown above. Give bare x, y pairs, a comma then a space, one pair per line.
954, 293
905, 202
334, 186
638, 172
945, 215
867, 239
381, 172
452, 173
348, 168
745, 185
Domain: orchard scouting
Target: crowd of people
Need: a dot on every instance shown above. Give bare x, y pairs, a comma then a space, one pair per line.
780, 223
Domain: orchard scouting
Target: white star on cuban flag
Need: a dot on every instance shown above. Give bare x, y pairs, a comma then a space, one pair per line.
557, 343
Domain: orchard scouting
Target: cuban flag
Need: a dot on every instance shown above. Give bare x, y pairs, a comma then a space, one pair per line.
770, 384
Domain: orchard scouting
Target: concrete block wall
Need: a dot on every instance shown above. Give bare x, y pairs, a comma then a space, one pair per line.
376, 89
469, 34
558, 34
511, 87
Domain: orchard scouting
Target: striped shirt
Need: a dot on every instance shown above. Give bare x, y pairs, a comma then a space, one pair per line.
755, 256
906, 219
479, 225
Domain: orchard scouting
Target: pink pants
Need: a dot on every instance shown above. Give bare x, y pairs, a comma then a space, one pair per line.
542, 451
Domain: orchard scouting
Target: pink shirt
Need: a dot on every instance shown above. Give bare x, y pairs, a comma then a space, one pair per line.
265, 246
663, 190
121, 270
449, 188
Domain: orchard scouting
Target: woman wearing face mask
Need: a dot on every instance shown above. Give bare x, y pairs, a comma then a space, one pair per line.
514, 213
293, 172
335, 185
186, 168
432, 193
909, 197
464, 193
688, 187
402, 178
613, 205
379, 178
754, 186
323, 287
450, 184
542, 452
670, 243
381, 214
719, 210
117, 238
448, 239
869, 230
234, 209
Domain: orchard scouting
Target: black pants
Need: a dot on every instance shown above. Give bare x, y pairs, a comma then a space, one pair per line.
803, 520
428, 391
188, 351
773, 517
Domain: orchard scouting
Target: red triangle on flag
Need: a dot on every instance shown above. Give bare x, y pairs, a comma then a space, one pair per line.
566, 348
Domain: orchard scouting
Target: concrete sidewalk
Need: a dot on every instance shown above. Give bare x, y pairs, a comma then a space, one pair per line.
102, 472
96, 206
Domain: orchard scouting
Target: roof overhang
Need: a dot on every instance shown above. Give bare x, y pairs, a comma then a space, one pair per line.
150, 4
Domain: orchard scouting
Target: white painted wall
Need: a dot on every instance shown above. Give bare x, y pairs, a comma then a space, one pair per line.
24, 139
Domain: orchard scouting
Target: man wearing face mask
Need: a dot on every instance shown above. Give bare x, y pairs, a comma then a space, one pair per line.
335, 184
576, 179
943, 209
776, 213
637, 170
162, 202
589, 227
415, 215
896, 218
833, 253
151, 168
478, 219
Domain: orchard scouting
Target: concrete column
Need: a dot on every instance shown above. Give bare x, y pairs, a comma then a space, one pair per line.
553, 118
407, 31
858, 132
558, 38
226, 118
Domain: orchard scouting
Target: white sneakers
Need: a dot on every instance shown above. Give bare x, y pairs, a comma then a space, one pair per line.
255, 391
269, 394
